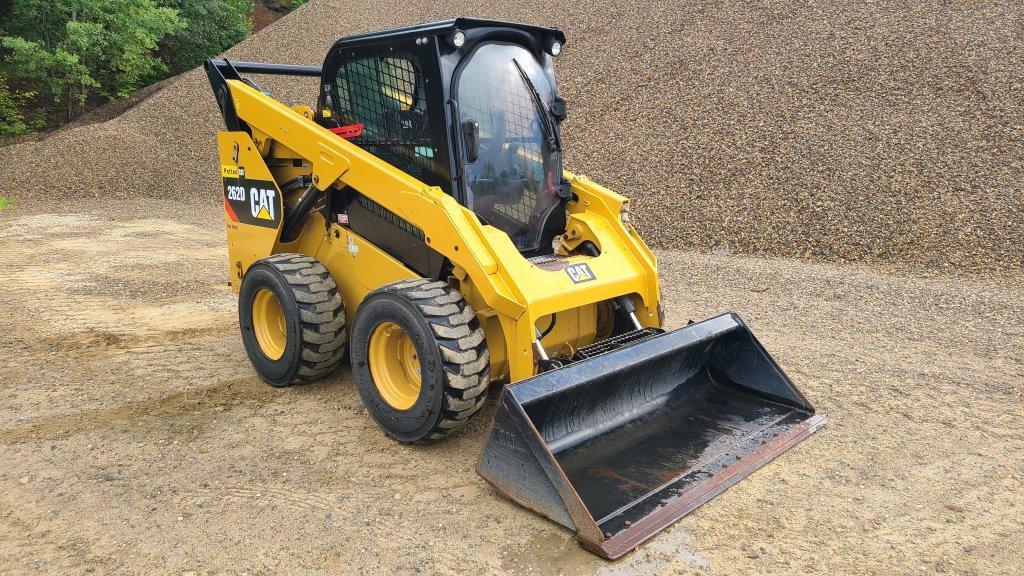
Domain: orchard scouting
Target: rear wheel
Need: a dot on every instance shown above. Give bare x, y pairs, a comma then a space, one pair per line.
292, 319
420, 359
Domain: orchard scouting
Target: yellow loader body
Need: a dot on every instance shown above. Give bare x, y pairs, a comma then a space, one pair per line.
510, 294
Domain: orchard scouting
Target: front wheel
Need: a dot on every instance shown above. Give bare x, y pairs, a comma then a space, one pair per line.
420, 359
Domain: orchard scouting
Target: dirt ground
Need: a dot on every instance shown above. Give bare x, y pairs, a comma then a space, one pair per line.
135, 437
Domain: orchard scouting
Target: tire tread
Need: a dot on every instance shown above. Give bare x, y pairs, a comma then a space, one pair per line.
321, 314
463, 347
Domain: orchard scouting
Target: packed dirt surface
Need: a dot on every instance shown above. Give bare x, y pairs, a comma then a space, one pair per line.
839, 131
136, 438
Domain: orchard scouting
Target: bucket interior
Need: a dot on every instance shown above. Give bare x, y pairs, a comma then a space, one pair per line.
651, 428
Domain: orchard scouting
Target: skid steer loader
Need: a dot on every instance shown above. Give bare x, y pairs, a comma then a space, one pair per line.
420, 219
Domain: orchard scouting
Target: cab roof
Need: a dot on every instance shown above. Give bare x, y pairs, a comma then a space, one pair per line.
444, 27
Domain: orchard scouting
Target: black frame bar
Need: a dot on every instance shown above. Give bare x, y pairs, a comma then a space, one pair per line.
219, 71
264, 68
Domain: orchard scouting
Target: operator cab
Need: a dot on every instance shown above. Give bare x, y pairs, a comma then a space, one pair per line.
467, 105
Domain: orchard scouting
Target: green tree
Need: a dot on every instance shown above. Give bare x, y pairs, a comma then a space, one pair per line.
65, 53
211, 27
59, 81
11, 120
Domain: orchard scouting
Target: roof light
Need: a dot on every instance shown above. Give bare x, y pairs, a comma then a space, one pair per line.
458, 38
554, 47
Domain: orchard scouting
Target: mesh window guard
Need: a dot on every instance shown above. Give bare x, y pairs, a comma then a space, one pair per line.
387, 96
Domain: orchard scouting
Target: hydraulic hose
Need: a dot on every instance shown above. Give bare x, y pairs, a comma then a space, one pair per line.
297, 215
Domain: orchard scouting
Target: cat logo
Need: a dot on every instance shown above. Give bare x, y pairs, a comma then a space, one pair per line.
261, 202
579, 273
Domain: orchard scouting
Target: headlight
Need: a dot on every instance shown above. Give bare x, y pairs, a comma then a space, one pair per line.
458, 38
554, 47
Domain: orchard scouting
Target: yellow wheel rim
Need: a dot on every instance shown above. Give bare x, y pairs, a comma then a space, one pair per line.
394, 365
268, 324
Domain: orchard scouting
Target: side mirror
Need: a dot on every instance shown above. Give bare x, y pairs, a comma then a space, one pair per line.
471, 138
558, 109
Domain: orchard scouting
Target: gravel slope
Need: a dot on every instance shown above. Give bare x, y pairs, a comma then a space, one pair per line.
136, 439
844, 131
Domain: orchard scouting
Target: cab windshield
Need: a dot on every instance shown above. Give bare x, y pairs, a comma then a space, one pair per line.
512, 183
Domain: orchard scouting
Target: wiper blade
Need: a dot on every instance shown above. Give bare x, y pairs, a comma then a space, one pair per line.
547, 125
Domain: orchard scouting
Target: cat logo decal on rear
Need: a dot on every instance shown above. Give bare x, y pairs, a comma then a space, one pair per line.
261, 203
253, 202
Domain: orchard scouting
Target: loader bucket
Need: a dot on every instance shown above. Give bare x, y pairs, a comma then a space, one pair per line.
620, 445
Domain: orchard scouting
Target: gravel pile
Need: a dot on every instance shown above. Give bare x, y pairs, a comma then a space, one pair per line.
842, 131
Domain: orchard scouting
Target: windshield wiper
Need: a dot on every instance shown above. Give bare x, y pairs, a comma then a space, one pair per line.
546, 124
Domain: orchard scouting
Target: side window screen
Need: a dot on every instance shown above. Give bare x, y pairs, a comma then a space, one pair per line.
387, 96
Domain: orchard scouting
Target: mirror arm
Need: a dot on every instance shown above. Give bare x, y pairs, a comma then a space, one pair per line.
471, 138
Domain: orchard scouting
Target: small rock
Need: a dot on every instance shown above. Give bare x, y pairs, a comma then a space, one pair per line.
955, 507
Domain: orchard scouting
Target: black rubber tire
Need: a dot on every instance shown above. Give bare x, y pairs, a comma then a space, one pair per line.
314, 318
452, 350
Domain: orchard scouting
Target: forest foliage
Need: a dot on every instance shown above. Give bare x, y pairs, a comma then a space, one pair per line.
60, 58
